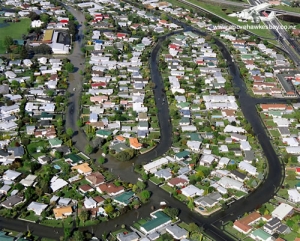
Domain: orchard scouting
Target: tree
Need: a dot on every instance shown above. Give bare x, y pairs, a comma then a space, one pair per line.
145, 195
172, 212
83, 215
101, 160
69, 67
70, 132
193, 228
123, 156
191, 205
78, 236
29, 192
141, 185
44, 17
109, 208
88, 149
23, 53
7, 42
79, 123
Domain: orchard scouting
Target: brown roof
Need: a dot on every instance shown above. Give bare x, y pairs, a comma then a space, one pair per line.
85, 187
244, 222
110, 188
95, 178
99, 199
177, 180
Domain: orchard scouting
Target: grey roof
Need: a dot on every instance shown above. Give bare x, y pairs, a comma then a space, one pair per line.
18, 151
4, 89
127, 237
176, 231
165, 173
249, 155
238, 174
12, 201
284, 130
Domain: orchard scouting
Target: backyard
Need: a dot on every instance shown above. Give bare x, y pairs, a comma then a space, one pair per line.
14, 30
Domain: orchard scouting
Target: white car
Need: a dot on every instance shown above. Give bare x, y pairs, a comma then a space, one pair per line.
74, 89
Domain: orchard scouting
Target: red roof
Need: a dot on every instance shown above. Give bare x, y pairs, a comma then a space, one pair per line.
298, 169
121, 35
64, 21
173, 46
102, 84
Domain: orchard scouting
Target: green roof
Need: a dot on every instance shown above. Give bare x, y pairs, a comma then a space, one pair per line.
55, 142
261, 234
191, 34
119, 147
180, 37
103, 133
5, 237
143, 124
74, 158
182, 154
184, 120
195, 137
275, 112
125, 197
246, 56
160, 218
183, 104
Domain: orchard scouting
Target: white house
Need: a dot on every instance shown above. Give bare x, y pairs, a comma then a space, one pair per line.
10, 175
245, 166
228, 182
294, 195
37, 208
192, 191
153, 166
282, 211
207, 160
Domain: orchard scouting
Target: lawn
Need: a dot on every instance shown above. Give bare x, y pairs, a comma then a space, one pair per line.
30, 217
34, 145
155, 180
167, 188
68, 222
14, 30
274, 133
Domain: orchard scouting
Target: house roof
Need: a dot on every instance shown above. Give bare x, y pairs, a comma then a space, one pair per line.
110, 188
60, 212
95, 178
261, 234
134, 142
84, 168
159, 219
74, 158
124, 197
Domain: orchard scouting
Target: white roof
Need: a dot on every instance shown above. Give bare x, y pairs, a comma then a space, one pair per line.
28, 181
245, 145
191, 191
224, 161
227, 182
58, 184
235, 129
282, 211
245, 166
156, 163
38, 208
294, 195
207, 158
11, 175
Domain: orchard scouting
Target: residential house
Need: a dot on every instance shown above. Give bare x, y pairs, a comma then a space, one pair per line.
95, 179
209, 200
125, 198
244, 225
177, 232
153, 166
37, 208
179, 181
159, 220
192, 191
164, 173
83, 168
62, 212
12, 201
110, 188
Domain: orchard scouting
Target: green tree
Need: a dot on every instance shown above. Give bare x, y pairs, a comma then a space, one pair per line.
79, 123
101, 160
145, 195
83, 215
88, 149
69, 67
172, 212
70, 132
23, 53
7, 42
141, 185
109, 208
58, 154
191, 205
78, 236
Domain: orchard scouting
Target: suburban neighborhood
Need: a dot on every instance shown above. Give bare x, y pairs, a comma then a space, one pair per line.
144, 120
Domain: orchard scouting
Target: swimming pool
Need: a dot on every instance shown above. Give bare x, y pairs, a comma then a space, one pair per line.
57, 167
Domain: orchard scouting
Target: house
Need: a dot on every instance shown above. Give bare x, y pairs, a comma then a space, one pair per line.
159, 220
228, 182
73, 159
37, 208
95, 179
10, 175
132, 236
89, 203
180, 156
275, 226
124, 198
153, 166
164, 173
241, 177
209, 200
134, 143
282, 211
12, 201
85, 188
83, 168
177, 232
207, 160
245, 166
28, 181
261, 235
179, 181
5, 189
62, 212
110, 188
294, 195
103, 133
243, 225
55, 142
194, 145
191, 191
57, 183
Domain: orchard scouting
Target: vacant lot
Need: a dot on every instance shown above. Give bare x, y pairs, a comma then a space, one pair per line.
14, 30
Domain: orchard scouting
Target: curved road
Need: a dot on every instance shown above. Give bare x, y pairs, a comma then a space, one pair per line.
211, 224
